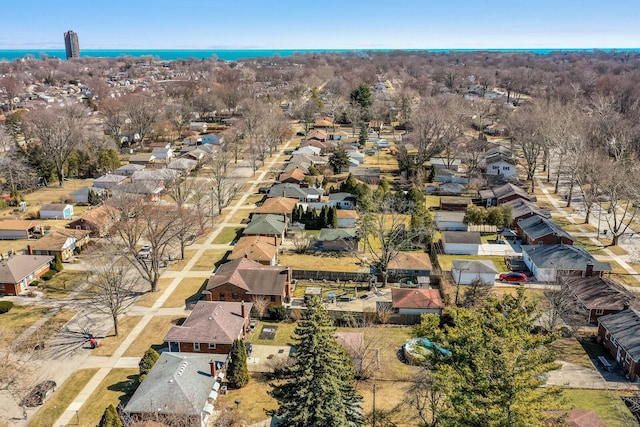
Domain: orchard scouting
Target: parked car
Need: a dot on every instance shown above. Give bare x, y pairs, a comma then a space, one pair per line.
513, 277
39, 394
145, 251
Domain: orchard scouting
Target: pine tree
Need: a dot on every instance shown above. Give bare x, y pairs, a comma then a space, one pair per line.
320, 390
363, 136
56, 264
332, 217
110, 418
146, 363
324, 217
339, 159
238, 373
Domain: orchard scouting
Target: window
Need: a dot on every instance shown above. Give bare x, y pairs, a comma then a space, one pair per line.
212, 346
78, 227
273, 298
196, 346
221, 296
495, 167
234, 296
599, 311
505, 168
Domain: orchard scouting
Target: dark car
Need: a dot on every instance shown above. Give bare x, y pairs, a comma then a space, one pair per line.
249, 347
39, 394
513, 277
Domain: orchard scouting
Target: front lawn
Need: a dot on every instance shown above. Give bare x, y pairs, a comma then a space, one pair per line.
63, 283
607, 404
570, 350
179, 264
152, 335
21, 317
110, 343
48, 329
117, 387
227, 235
149, 298
187, 289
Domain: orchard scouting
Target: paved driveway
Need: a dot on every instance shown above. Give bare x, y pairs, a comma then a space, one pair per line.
264, 357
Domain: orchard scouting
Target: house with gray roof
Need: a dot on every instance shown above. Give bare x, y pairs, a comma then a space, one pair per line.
338, 239
266, 225
523, 209
598, 296
17, 272
538, 230
450, 221
620, 334
129, 169
109, 181
547, 261
179, 384
461, 242
466, 271
504, 193
306, 195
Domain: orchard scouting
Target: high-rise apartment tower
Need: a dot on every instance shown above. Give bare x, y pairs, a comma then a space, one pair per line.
71, 44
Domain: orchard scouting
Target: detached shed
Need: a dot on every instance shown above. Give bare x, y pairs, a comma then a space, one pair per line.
466, 271
461, 242
56, 211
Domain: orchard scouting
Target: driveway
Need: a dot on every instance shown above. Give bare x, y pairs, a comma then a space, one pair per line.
265, 357
575, 376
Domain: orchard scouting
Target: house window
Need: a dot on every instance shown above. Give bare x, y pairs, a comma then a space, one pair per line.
234, 296
505, 168
221, 296
196, 346
273, 298
496, 167
78, 227
599, 311
607, 335
212, 346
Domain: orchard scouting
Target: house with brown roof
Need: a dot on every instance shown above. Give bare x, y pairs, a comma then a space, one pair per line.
317, 134
17, 272
295, 176
416, 301
277, 206
245, 280
323, 122
16, 229
59, 242
573, 418
98, 221
504, 193
347, 218
211, 327
258, 248
598, 296
411, 264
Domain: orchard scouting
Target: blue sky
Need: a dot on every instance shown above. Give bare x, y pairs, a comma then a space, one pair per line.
326, 24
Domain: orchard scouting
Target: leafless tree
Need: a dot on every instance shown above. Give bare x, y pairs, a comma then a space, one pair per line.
476, 293
179, 115
12, 88
524, 127
560, 308
222, 185
590, 177
619, 197
260, 304
302, 242
233, 143
425, 399
113, 116
142, 113
112, 287
182, 189
59, 132
15, 171
17, 368
276, 130
187, 226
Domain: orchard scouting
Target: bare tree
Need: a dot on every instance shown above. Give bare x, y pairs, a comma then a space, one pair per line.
113, 117
475, 293
619, 197
59, 133
187, 227
260, 304
590, 176
302, 242
142, 113
222, 185
179, 115
524, 128
112, 287
560, 308
182, 189
426, 399
17, 368
12, 89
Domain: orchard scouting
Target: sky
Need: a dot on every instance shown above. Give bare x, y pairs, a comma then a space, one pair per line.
325, 24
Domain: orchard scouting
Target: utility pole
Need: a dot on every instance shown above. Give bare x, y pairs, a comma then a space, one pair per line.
373, 422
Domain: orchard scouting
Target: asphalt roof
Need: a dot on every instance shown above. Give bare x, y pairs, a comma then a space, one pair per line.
18, 267
466, 237
474, 266
416, 298
265, 224
253, 277
599, 292
625, 327
537, 226
521, 207
563, 257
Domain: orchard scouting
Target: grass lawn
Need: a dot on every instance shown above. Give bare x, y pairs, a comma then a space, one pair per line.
179, 264
253, 399
209, 259
19, 318
54, 193
16, 245
227, 235
589, 245
618, 250
607, 404
49, 328
445, 261
117, 387
255, 198
239, 215
338, 288
187, 289
570, 350
321, 261
110, 343
151, 335
283, 334
149, 298
63, 283
389, 394
62, 398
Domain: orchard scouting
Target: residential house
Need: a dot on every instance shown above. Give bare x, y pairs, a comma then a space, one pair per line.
338, 135
128, 169
454, 203
243, 279
416, 301
447, 176
308, 150
326, 147
198, 155
162, 153
294, 176
323, 122
342, 200
538, 230
338, 239
504, 193
598, 296
303, 194
347, 218
282, 206
500, 163
182, 165
266, 225
180, 385
59, 242
143, 159
450, 221
444, 163
461, 242
356, 156
317, 134
165, 145
56, 211
98, 221
212, 139
193, 140
198, 127
16, 229
366, 175
546, 261
81, 195
211, 327
109, 181
464, 272
143, 188
523, 209
409, 264
17, 272
156, 177
620, 334
257, 248
450, 189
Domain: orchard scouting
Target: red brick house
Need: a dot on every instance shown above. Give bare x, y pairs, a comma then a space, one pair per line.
19, 271
538, 230
620, 334
523, 209
245, 280
598, 296
211, 327
97, 220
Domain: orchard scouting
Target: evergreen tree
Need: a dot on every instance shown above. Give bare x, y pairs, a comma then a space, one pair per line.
339, 159
332, 217
146, 363
363, 136
110, 418
320, 387
238, 373
56, 264
350, 185
324, 217
494, 373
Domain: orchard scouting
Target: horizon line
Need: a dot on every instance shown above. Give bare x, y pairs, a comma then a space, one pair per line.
327, 48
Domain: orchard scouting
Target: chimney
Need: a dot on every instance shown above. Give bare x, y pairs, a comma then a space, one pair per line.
212, 368
243, 310
589, 270
29, 250
287, 285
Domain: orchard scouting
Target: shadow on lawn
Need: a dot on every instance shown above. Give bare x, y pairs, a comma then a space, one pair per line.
127, 387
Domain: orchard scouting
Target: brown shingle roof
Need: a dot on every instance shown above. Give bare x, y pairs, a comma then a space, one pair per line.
257, 248
16, 268
296, 174
410, 261
18, 224
599, 292
416, 298
347, 213
276, 206
253, 277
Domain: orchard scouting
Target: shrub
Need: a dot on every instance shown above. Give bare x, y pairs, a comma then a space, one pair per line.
48, 275
146, 363
279, 312
56, 264
5, 306
110, 418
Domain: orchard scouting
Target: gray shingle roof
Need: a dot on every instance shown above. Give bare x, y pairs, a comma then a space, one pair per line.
332, 234
466, 237
521, 207
474, 266
536, 227
599, 292
625, 328
563, 257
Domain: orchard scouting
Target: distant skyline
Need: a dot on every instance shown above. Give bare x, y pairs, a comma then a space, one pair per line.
329, 24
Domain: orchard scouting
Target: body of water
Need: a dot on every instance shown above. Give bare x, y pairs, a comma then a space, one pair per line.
232, 55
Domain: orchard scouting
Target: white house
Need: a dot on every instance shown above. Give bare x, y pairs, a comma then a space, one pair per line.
56, 211
356, 155
450, 221
461, 242
500, 162
308, 150
198, 126
162, 153
466, 271
128, 169
546, 261
109, 181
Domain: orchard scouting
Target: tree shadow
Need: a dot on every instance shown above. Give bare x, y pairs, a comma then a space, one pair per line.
197, 295
127, 388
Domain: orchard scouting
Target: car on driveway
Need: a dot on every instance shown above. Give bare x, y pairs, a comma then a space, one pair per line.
513, 277
39, 394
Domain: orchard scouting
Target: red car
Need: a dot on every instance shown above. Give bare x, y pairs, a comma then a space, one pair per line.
513, 277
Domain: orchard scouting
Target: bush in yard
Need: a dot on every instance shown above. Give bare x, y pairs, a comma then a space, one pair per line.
146, 363
238, 373
279, 312
56, 264
110, 418
48, 275
5, 306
